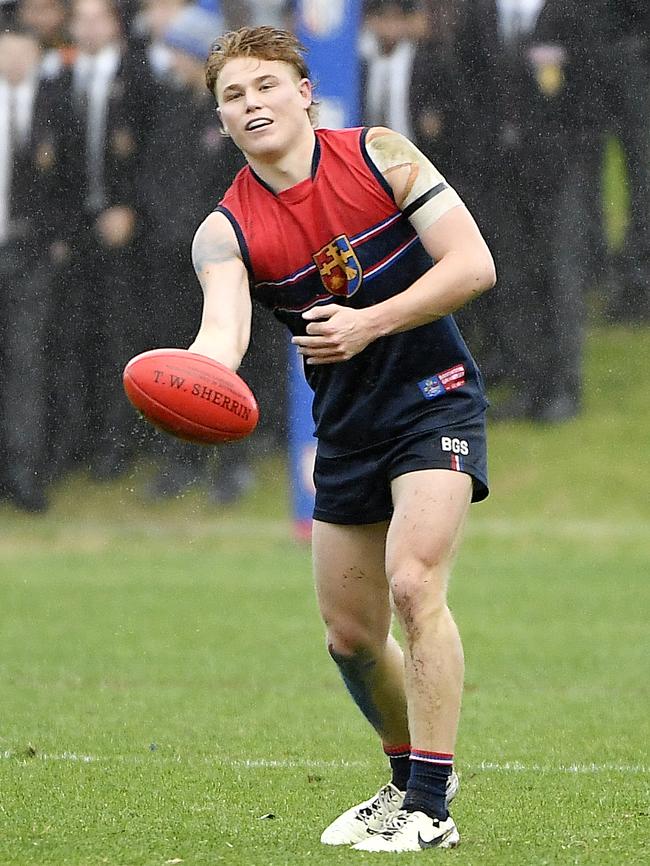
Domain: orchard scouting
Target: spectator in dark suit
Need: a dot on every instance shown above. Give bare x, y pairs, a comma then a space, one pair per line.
628, 64
411, 81
436, 102
106, 100
31, 253
387, 51
534, 84
188, 165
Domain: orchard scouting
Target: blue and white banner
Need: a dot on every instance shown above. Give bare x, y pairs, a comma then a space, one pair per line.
329, 30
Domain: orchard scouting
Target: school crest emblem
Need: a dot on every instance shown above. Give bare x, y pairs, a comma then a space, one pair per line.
339, 267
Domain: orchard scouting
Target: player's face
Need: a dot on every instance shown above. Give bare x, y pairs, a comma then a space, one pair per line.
263, 106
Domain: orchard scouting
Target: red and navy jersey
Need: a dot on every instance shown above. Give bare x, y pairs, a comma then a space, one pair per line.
338, 236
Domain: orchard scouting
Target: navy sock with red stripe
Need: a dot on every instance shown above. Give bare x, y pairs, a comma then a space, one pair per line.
427, 786
400, 764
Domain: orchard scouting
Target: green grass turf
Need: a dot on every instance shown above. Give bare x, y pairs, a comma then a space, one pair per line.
164, 683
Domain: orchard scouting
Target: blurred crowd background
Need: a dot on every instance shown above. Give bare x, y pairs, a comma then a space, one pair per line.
111, 155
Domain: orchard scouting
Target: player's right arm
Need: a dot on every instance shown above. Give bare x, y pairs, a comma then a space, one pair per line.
226, 321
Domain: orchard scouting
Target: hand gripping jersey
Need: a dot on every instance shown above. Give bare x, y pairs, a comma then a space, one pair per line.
338, 237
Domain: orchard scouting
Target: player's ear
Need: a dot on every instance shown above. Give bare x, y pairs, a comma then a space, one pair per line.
223, 129
305, 88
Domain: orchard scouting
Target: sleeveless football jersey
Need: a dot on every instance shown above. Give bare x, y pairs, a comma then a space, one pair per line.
339, 237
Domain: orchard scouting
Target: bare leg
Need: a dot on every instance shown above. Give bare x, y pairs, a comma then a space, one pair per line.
354, 601
430, 509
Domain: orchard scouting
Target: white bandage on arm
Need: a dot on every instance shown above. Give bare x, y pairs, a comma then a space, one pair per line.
427, 195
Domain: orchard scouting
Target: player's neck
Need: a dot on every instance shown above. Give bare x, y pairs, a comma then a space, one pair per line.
283, 171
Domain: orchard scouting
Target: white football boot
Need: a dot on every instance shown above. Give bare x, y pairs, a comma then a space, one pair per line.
411, 831
363, 821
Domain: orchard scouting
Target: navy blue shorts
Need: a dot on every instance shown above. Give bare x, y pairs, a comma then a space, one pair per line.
354, 488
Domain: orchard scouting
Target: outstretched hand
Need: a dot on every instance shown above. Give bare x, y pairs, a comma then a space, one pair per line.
334, 334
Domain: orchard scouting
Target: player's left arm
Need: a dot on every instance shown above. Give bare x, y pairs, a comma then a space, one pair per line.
463, 266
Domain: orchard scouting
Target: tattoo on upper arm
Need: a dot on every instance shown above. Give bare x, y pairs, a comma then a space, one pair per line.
207, 251
421, 192
391, 151
413, 172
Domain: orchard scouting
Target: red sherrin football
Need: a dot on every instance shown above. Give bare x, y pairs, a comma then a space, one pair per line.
190, 396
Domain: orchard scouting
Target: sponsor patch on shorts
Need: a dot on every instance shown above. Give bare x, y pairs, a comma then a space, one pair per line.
440, 383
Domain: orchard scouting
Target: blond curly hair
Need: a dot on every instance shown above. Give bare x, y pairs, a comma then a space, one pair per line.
262, 43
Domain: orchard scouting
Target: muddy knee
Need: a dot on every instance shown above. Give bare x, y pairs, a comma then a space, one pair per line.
418, 595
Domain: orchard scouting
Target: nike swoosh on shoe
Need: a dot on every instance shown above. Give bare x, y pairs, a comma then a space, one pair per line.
436, 841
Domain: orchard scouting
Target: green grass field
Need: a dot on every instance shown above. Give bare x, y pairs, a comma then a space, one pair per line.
164, 686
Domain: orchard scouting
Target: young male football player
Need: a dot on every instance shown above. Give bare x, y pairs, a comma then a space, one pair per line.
358, 244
